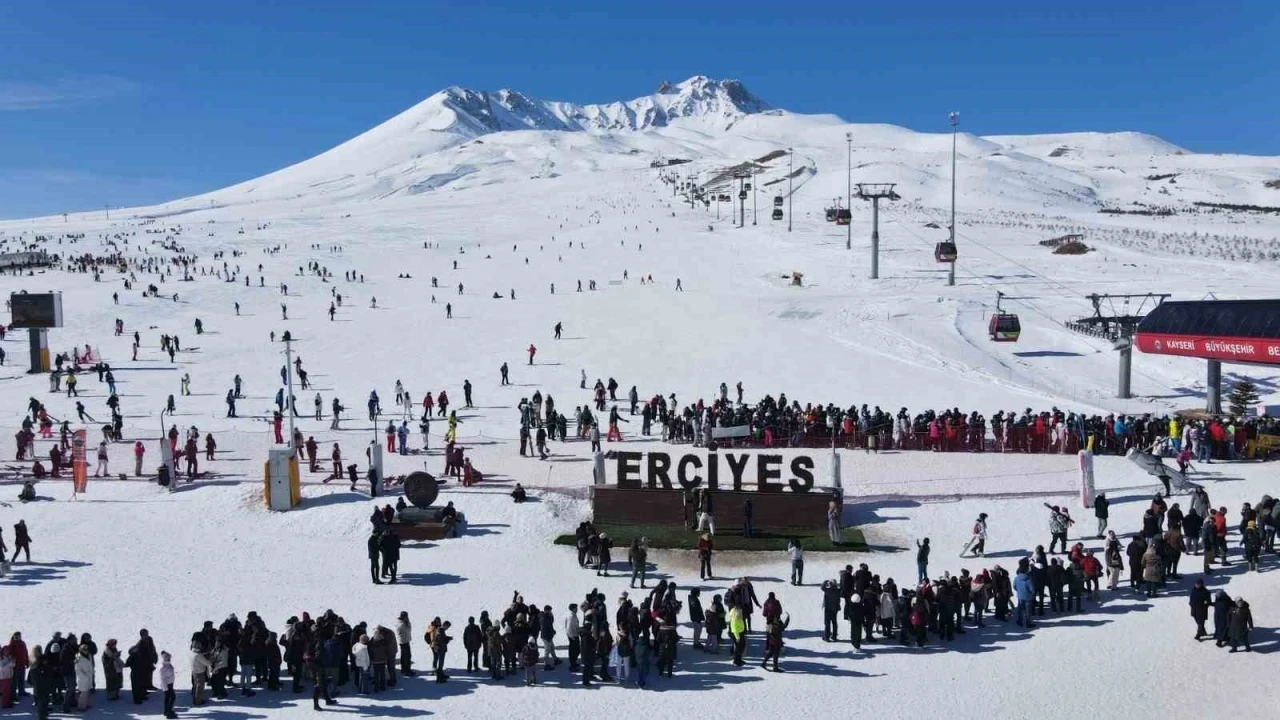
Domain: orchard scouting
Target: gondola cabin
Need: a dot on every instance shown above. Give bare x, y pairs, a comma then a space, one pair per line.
777, 201
1004, 327
945, 252
831, 214
777, 213
843, 216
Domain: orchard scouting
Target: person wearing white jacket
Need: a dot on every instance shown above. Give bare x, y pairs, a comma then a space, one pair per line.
887, 613
360, 653
84, 677
167, 677
796, 554
200, 670
404, 635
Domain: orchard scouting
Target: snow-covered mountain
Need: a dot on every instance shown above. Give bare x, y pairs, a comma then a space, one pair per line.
459, 138
723, 102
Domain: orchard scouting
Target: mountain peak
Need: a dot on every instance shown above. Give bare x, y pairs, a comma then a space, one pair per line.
722, 102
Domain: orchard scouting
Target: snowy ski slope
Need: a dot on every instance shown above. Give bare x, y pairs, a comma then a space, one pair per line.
572, 198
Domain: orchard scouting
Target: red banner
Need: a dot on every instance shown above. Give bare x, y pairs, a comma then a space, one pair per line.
1229, 349
79, 464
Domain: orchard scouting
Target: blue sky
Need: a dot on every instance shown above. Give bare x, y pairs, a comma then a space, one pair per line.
134, 101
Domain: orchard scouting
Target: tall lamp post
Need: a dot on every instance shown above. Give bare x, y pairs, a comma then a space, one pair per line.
791, 161
848, 195
955, 122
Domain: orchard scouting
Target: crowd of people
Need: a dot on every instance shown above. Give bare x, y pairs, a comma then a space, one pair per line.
778, 423
626, 643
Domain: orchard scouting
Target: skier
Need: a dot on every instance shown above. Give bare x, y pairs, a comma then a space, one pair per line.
559, 327
337, 410
466, 393
102, 460
138, 452
614, 433
503, 370
532, 351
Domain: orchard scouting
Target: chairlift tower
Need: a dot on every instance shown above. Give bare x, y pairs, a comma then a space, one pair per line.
955, 122
791, 159
848, 139
741, 176
1117, 325
874, 192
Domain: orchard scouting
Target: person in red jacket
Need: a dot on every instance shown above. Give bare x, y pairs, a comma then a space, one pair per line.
772, 609
1220, 534
532, 351
138, 452
1092, 571
276, 421
18, 653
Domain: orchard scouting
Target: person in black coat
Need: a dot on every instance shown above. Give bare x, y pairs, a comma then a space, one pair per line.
1136, 549
696, 616
67, 667
1101, 510
472, 641
1239, 624
390, 545
1222, 605
45, 678
272, 651
830, 611
1200, 603
139, 673
375, 546
853, 612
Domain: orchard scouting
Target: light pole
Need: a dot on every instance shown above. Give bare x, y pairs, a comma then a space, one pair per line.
848, 195
791, 158
955, 122
754, 183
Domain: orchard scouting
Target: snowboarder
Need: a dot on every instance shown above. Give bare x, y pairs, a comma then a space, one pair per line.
978, 543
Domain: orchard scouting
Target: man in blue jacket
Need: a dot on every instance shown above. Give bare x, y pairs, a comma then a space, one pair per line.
1023, 588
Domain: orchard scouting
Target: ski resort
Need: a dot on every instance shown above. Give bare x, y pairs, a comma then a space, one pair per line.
510, 405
